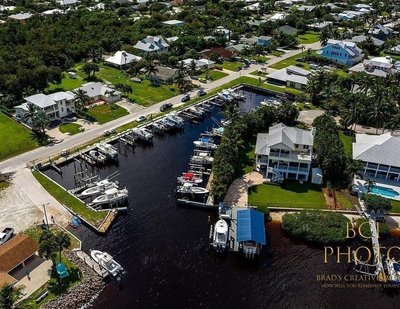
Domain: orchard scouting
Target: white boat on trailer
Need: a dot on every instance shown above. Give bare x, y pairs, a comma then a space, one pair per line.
107, 262
189, 188
220, 235
111, 196
99, 187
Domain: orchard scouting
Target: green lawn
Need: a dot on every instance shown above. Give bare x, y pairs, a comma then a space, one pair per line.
291, 194
93, 217
289, 61
232, 66
260, 59
70, 128
213, 75
15, 138
105, 113
308, 37
67, 83
347, 143
143, 93
343, 200
247, 156
395, 206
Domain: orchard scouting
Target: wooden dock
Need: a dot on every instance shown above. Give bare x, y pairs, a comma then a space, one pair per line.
92, 264
107, 221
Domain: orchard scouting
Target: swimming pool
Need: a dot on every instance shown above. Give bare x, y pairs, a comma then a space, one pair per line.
387, 192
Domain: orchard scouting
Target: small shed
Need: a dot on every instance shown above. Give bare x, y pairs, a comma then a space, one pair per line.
317, 177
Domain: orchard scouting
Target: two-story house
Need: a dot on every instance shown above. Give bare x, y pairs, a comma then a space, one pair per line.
152, 44
56, 105
284, 153
342, 52
380, 156
378, 66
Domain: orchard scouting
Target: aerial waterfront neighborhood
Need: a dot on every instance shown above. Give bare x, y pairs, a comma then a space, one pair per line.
176, 153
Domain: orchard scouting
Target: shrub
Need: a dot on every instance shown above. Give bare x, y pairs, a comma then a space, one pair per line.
366, 231
316, 226
376, 202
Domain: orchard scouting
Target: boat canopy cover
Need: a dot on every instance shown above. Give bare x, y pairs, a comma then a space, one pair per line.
205, 139
188, 176
250, 226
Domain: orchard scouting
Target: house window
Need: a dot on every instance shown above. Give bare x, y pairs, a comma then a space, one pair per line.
305, 146
296, 145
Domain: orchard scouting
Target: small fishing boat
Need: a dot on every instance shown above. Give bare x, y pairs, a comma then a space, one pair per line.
234, 94
190, 178
202, 158
107, 262
220, 235
142, 134
97, 156
393, 270
158, 127
178, 119
271, 102
189, 188
224, 96
108, 150
205, 143
75, 222
111, 196
99, 187
177, 123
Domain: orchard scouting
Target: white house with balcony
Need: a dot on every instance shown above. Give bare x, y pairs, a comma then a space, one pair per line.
380, 156
56, 105
284, 153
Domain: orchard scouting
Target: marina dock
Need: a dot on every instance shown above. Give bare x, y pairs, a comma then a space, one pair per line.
107, 221
92, 264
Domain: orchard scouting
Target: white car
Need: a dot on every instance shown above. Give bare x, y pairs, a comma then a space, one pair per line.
141, 118
6, 235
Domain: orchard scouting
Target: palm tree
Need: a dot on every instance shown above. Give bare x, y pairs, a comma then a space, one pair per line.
10, 295
150, 69
313, 88
30, 114
47, 245
63, 242
352, 167
370, 184
231, 112
393, 123
325, 35
192, 68
80, 100
40, 121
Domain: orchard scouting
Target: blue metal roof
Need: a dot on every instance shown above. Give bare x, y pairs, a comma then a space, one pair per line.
250, 226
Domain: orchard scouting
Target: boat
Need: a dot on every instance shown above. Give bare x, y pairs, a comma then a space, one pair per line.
393, 270
190, 178
142, 134
205, 143
111, 196
108, 150
234, 94
189, 188
6, 235
220, 235
107, 262
218, 131
158, 127
225, 96
196, 112
176, 118
99, 187
202, 158
97, 156
178, 123
75, 222
271, 102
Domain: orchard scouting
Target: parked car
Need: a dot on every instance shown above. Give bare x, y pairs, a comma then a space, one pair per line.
65, 153
70, 119
185, 98
141, 118
109, 132
6, 234
165, 107
201, 92
238, 69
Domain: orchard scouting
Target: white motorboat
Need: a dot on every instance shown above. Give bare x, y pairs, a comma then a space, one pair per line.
205, 143
108, 150
178, 119
202, 158
190, 178
107, 262
111, 196
99, 187
271, 102
220, 235
142, 134
234, 94
224, 96
97, 156
189, 188
393, 270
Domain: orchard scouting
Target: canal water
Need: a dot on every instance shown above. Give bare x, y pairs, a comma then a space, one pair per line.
165, 248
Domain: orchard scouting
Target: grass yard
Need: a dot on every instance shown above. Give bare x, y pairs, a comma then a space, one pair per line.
289, 61
93, 217
213, 75
395, 206
259, 73
260, 59
67, 83
143, 93
308, 37
347, 143
344, 200
290, 194
230, 65
247, 156
105, 113
15, 138
277, 53
70, 128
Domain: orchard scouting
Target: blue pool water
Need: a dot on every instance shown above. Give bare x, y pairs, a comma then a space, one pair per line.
388, 192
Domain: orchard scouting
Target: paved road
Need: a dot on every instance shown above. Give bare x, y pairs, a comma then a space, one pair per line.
78, 139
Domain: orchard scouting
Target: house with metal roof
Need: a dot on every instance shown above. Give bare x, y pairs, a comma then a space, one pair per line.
99, 92
250, 231
380, 32
56, 105
290, 76
152, 44
284, 153
121, 58
174, 22
378, 66
379, 155
342, 52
